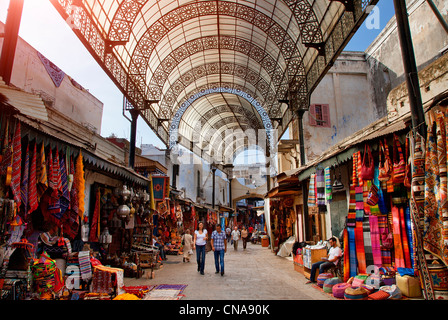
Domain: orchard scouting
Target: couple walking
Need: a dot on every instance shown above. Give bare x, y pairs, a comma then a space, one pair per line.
219, 247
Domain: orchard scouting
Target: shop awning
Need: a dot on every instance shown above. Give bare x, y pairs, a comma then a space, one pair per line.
27, 103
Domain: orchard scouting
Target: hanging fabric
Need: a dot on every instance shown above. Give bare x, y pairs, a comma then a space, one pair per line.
376, 240
417, 203
24, 183
386, 255
42, 179
359, 230
346, 256
399, 165
311, 192
93, 237
433, 233
328, 189
398, 247
65, 195
32, 184
320, 187
16, 165
404, 239
80, 183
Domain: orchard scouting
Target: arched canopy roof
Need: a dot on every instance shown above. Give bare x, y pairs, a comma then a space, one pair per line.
160, 53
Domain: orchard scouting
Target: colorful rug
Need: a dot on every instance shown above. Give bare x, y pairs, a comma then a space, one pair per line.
359, 232
166, 292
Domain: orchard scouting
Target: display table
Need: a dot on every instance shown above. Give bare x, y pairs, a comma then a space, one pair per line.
310, 256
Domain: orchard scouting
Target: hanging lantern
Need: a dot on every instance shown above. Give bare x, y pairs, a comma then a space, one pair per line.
123, 211
125, 193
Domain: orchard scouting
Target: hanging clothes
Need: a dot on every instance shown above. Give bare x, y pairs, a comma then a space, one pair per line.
42, 179
24, 184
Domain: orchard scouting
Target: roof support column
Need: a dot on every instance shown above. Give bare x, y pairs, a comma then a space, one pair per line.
300, 113
10, 41
134, 115
410, 68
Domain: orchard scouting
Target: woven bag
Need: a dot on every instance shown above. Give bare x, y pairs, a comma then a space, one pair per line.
339, 289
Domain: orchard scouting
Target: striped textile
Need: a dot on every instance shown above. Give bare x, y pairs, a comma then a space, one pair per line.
24, 184
352, 249
328, 189
404, 240
65, 196
312, 192
16, 165
375, 238
367, 241
351, 217
386, 255
417, 213
93, 236
359, 237
41, 174
433, 233
54, 205
346, 255
398, 247
84, 265
410, 235
320, 187
32, 184
57, 172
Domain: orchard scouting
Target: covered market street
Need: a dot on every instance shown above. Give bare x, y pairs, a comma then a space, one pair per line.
252, 274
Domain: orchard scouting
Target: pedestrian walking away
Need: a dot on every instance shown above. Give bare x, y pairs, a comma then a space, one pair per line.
235, 238
187, 241
219, 247
200, 240
244, 237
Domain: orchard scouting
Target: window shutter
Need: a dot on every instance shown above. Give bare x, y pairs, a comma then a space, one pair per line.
312, 115
326, 115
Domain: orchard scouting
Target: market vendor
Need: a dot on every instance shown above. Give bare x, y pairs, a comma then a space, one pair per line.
159, 244
334, 254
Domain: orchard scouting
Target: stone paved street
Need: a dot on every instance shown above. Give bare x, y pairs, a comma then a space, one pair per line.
253, 274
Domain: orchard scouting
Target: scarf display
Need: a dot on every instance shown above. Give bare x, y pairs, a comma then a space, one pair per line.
94, 230
375, 240
328, 186
80, 182
65, 195
320, 187
359, 231
346, 255
42, 179
24, 184
32, 185
16, 165
386, 254
398, 248
312, 192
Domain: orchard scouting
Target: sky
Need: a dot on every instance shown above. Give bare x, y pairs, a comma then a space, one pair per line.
44, 29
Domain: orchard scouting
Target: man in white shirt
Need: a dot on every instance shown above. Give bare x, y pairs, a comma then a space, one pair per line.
235, 237
334, 254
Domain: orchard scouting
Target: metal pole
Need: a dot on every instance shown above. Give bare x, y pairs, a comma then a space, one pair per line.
10, 41
438, 15
410, 68
134, 115
302, 163
213, 190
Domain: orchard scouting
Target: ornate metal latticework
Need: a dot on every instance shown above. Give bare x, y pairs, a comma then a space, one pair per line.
222, 63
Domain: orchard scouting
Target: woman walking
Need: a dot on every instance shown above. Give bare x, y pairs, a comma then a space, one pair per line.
200, 240
188, 241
